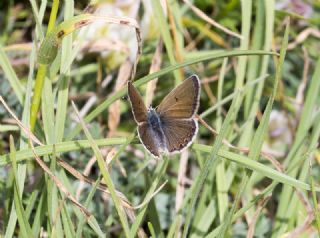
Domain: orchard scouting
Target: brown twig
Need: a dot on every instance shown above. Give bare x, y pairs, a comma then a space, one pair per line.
255, 217
209, 20
114, 108
155, 66
304, 81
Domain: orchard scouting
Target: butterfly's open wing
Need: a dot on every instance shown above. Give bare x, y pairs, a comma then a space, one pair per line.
178, 133
148, 139
139, 110
183, 101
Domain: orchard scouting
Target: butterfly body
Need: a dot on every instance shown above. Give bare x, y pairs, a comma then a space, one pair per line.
171, 127
154, 120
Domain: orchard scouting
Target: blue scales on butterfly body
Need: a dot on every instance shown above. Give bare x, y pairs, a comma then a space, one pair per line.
155, 123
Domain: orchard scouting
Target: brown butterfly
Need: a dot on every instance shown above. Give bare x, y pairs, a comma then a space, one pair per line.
171, 127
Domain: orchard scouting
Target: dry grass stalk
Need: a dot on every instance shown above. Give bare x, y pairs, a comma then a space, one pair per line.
251, 225
209, 20
114, 109
155, 66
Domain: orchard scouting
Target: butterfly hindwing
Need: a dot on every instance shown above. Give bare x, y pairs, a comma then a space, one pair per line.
148, 139
179, 133
183, 101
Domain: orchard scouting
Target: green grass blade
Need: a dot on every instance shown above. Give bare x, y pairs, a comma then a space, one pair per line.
59, 148
22, 168
21, 215
259, 136
68, 226
63, 91
206, 220
254, 62
82, 220
107, 178
39, 215
222, 196
41, 74
268, 7
165, 33
295, 157
210, 165
228, 98
37, 17
11, 75
258, 167
151, 229
47, 108
246, 8
159, 172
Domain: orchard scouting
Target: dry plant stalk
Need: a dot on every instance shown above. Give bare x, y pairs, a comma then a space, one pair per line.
180, 190
253, 222
114, 109
20, 124
301, 89
86, 173
183, 164
155, 66
307, 223
209, 20
176, 43
302, 36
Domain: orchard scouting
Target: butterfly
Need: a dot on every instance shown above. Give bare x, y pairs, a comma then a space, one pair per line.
170, 127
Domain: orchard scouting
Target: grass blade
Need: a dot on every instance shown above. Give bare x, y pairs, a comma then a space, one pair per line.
106, 177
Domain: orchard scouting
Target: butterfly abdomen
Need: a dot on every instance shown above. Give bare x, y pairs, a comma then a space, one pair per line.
156, 127
153, 119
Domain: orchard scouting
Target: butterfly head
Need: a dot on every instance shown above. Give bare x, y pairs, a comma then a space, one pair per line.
150, 108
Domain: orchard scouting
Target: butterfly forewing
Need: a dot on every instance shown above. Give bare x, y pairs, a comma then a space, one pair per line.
139, 110
183, 101
179, 133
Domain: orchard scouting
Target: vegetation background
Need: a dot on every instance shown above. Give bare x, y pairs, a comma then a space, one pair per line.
253, 170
